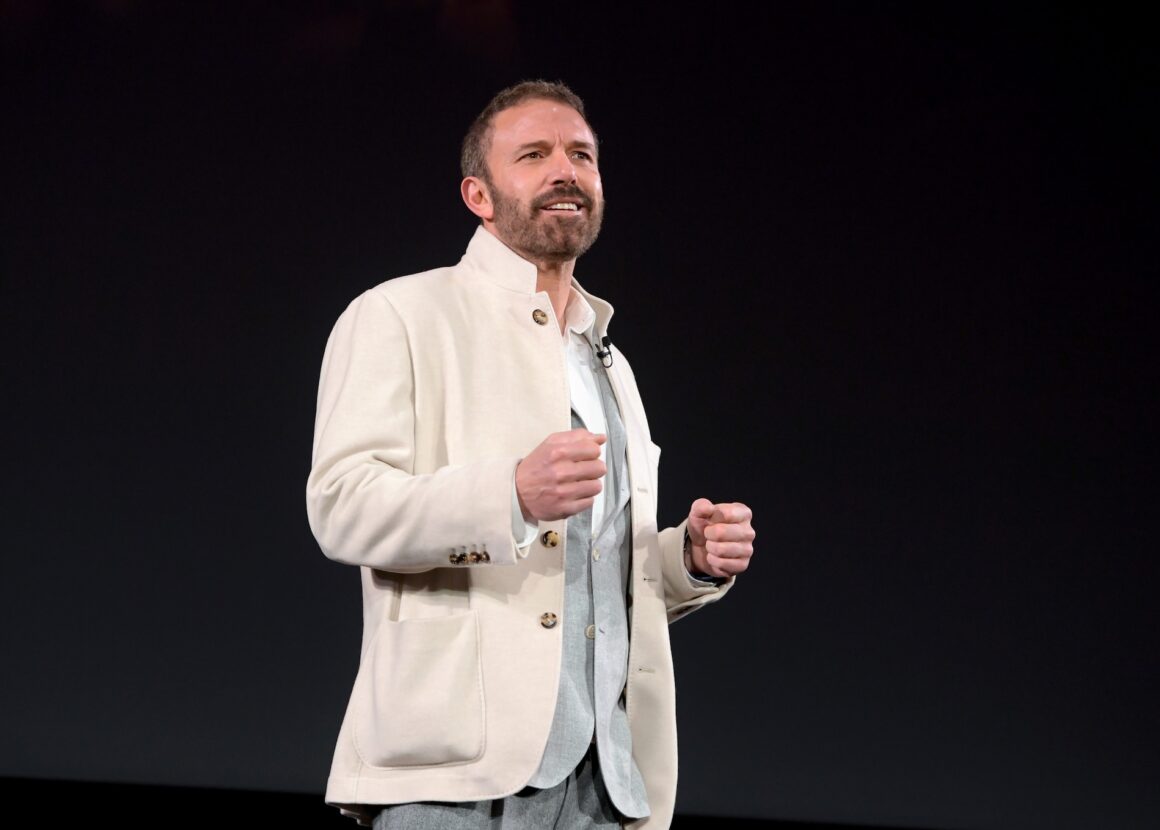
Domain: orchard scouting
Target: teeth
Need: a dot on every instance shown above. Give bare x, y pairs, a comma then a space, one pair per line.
563, 206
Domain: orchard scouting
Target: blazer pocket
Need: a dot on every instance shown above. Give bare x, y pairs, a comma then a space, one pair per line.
419, 693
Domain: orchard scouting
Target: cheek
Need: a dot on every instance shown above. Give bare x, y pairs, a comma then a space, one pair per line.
513, 185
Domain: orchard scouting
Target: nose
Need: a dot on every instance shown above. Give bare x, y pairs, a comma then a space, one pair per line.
562, 171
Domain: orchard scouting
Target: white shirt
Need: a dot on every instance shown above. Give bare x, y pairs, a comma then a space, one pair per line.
578, 335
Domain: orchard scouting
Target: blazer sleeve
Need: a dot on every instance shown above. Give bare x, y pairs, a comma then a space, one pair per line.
683, 594
365, 503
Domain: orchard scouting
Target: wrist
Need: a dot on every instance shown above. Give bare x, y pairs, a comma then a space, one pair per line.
693, 570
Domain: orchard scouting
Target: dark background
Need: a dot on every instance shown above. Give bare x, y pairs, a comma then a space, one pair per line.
886, 272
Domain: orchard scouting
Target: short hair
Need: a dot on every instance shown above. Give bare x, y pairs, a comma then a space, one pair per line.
473, 154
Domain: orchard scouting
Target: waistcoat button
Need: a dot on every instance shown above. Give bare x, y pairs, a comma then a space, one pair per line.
548, 619
540, 316
590, 632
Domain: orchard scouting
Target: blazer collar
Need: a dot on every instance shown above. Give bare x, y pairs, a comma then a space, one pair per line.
499, 264
603, 309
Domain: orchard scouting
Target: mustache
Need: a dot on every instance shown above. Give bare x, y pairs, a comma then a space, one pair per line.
566, 191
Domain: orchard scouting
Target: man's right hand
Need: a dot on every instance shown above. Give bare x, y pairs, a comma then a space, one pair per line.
561, 476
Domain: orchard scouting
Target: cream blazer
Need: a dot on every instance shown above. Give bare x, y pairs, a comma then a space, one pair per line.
433, 387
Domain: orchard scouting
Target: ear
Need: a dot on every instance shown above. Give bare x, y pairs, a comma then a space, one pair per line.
476, 197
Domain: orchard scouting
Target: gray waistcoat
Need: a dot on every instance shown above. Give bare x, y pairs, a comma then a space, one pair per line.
590, 702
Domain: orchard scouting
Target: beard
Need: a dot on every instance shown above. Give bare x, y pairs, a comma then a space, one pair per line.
540, 237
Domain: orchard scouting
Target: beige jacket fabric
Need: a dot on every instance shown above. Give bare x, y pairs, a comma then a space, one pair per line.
433, 387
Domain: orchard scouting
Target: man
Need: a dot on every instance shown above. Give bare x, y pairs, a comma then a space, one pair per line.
482, 453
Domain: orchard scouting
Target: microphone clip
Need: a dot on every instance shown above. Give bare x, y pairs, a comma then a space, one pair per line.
604, 351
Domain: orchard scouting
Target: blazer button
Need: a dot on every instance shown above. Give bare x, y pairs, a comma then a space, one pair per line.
457, 558
550, 539
474, 558
540, 316
548, 619
485, 557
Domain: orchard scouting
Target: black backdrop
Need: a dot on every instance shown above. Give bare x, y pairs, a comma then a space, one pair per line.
887, 273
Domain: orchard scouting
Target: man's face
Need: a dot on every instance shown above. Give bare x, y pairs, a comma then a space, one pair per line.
544, 181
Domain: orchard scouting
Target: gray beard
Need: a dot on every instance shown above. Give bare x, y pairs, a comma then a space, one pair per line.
539, 238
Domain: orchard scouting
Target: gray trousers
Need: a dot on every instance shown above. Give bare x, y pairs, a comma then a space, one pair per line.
579, 802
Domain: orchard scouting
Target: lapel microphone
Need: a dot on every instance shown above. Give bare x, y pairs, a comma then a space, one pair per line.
604, 351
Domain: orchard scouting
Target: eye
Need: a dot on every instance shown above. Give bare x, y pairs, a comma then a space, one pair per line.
582, 155
534, 154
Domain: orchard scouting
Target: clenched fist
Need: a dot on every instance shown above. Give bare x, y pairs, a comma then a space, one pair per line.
720, 538
561, 476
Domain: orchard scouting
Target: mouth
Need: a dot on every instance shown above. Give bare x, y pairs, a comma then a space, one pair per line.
565, 201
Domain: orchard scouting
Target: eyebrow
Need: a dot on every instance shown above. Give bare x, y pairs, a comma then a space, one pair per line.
540, 145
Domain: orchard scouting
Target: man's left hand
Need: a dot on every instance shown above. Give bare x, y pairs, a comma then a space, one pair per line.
720, 538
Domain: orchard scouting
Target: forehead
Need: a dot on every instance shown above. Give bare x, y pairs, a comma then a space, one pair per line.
539, 120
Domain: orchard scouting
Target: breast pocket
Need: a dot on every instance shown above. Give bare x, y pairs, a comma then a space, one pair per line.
419, 693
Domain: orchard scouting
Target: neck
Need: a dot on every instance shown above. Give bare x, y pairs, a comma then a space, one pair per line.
555, 278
